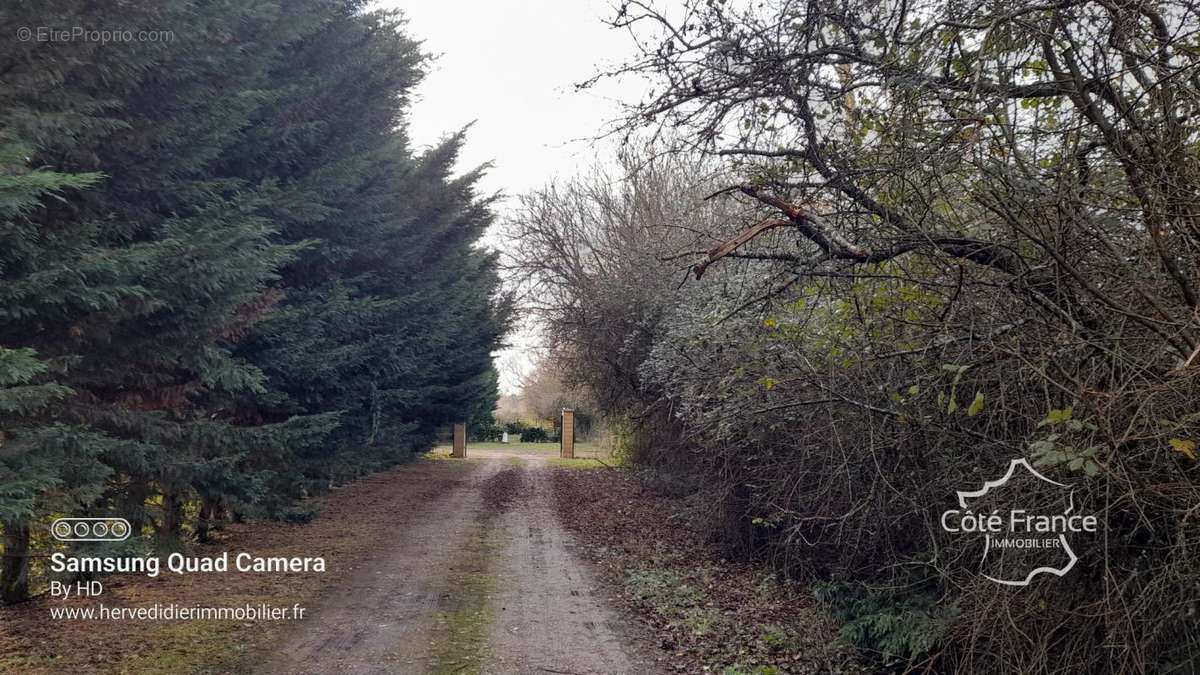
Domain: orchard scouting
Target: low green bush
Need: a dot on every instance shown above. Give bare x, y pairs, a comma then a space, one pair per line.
896, 624
535, 435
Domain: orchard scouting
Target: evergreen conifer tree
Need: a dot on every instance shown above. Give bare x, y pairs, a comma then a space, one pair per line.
225, 276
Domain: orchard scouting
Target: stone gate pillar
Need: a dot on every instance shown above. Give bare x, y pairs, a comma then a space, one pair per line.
460, 440
566, 442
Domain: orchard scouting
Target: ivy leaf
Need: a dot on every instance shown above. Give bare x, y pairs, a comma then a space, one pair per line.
1057, 417
976, 405
1184, 447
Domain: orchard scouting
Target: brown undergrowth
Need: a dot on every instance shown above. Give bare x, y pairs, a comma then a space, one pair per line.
500, 489
712, 614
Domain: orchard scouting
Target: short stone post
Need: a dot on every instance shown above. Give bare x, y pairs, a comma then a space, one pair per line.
566, 440
460, 440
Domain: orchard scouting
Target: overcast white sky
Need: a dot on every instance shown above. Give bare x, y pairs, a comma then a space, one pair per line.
511, 68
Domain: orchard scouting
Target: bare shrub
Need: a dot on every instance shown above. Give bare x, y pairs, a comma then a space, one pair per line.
976, 238
585, 256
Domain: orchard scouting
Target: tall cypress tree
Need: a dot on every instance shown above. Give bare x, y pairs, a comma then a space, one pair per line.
128, 290
43, 464
382, 308
222, 258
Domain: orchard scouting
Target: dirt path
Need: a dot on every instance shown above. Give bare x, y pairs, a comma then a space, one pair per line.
480, 579
552, 618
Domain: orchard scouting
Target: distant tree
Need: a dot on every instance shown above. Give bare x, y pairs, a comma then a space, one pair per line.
588, 256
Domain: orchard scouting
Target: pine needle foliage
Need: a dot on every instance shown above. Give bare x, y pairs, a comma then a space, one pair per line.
226, 279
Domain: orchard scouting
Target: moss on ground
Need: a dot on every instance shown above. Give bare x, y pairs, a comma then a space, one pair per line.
197, 647
461, 630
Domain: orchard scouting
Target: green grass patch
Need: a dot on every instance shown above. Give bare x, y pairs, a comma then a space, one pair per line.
203, 647
459, 634
26, 662
675, 599
751, 670
578, 463
589, 449
667, 591
539, 448
436, 456
523, 447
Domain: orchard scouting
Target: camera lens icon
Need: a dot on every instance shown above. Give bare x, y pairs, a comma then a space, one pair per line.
90, 529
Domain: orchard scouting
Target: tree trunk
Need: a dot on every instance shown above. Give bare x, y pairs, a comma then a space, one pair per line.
14, 573
134, 508
211, 514
170, 530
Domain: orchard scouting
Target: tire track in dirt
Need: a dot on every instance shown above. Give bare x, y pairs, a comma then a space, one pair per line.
482, 579
552, 617
457, 639
368, 619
